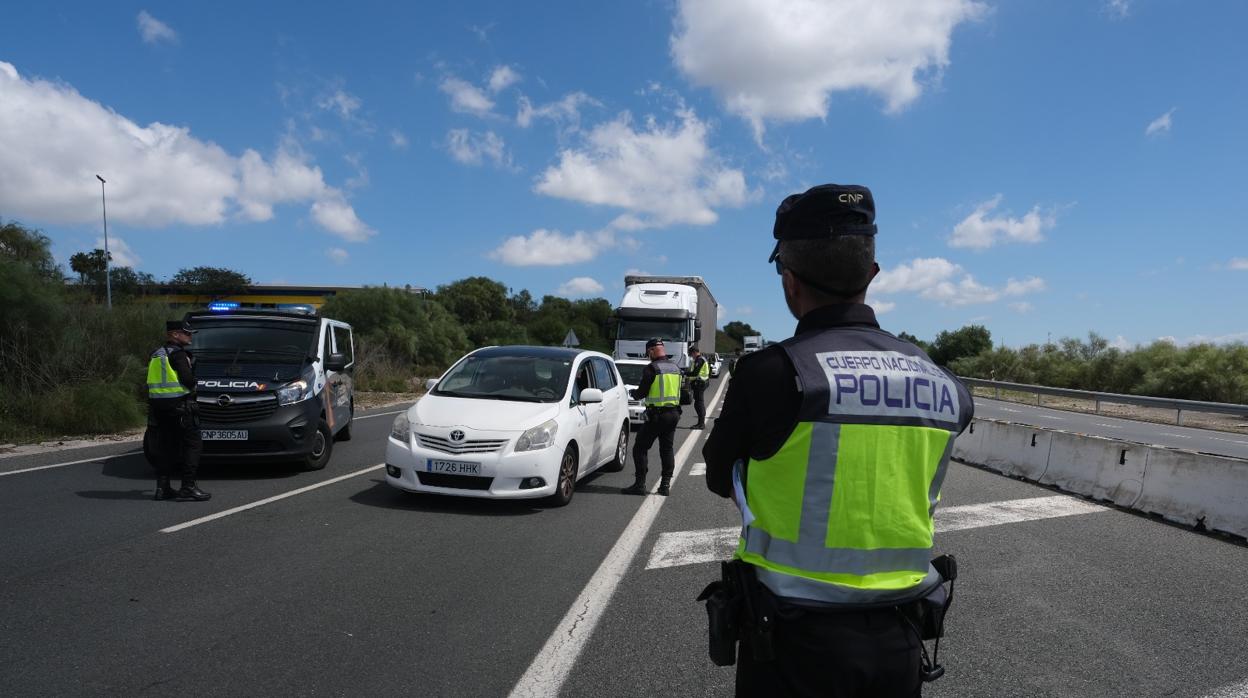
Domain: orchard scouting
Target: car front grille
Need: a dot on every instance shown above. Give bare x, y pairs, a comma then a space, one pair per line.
249, 447
459, 482
444, 445
235, 412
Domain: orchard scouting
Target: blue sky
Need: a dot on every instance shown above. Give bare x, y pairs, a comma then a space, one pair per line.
1042, 168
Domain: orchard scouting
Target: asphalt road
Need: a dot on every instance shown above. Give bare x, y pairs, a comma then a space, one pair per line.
354, 589
1204, 440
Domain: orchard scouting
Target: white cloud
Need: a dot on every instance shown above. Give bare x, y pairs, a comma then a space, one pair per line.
342, 102
1239, 263
979, 231
1022, 307
1121, 343
1161, 124
466, 97
566, 112
122, 254
502, 78
397, 139
947, 283
552, 248
337, 255
360, 179
781, 59
881, 307
1118, 9
53, 141
472, 148
660, 174
745, 310
155, 31
334, 214
579, 286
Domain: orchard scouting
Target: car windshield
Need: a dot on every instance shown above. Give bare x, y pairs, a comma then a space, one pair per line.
254, 341
668, 330
631, 373
519, 378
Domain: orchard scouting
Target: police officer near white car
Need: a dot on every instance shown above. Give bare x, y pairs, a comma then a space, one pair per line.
173, 422
834, 444
660, 387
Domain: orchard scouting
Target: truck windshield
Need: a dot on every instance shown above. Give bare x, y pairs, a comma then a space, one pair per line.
667, 330
516, 378
254, 341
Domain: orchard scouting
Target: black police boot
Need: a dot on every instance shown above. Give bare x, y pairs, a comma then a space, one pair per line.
638, 487
190, 492
699, 425
164, 490
665, 486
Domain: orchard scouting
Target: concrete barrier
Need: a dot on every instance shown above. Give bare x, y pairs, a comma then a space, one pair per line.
1181, 486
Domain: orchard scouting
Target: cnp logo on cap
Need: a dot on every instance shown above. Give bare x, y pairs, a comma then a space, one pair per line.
849, 198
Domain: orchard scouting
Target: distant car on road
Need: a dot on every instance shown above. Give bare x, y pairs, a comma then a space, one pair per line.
630, 371
512, 422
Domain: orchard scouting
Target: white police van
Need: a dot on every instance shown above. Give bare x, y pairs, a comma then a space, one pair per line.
272, 384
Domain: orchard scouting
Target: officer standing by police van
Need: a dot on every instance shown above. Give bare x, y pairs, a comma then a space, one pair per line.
837, 440
659, 386
172, 416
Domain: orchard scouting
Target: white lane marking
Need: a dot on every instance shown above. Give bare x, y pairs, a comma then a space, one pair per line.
1051, 416
697, 469
1006, 409
268, 500
713, 544
99, 459
1177, 436
1110, 426
1239, 690
379, 414
550, 668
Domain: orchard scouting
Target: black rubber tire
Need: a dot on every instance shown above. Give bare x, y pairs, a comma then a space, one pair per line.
149, 446
323, 440
566, 485
621, 452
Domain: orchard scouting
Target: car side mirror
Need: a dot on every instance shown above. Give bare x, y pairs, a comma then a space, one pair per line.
590, 396
430, 383
336, 362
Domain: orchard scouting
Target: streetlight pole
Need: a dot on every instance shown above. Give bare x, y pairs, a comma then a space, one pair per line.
108, 280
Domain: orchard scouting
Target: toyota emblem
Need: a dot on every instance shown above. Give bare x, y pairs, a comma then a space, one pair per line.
457, 435
224, 400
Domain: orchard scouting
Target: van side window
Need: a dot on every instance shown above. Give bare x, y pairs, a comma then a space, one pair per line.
342, 342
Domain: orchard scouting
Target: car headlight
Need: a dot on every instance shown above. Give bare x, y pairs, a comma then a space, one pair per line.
402, 429
539, 437
294, 392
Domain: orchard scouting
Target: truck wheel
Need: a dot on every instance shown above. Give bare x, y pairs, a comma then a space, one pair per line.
322, 448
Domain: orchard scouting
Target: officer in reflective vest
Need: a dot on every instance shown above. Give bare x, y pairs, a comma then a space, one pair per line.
699, 374
173, 421
660, 388
839, 437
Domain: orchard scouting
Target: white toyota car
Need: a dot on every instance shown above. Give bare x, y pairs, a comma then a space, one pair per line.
630, 372
510, 423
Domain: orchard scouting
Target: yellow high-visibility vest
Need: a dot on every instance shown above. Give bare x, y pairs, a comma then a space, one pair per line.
162, 380
665, 389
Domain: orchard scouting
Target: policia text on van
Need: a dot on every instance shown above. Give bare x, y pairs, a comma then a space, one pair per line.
272, 385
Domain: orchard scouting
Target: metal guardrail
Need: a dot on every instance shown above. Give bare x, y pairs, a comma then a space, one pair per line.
1143, 401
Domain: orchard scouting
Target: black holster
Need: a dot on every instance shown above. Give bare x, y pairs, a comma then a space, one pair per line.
736, 606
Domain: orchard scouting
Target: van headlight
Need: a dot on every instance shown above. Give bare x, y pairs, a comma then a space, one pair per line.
402, 429
294, 392
539, 437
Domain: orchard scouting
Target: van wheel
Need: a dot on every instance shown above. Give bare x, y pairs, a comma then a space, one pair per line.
621, 452
566, 485
322, 448
344, 434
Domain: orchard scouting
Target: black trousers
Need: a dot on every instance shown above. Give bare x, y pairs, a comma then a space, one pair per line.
178, 443
834, 655
660, 424
699, 399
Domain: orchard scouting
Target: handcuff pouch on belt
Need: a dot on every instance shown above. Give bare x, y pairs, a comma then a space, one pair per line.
735, 610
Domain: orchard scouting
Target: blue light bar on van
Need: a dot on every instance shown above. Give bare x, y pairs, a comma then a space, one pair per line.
223, 306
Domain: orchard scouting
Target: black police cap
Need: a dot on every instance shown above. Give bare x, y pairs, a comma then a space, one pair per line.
178, 326
655, 342
825, 211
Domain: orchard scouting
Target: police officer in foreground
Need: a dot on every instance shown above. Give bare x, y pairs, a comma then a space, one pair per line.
660, 388
840, 437
699, 373
172, 415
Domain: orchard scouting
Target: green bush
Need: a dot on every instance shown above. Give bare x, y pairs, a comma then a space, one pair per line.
92, 407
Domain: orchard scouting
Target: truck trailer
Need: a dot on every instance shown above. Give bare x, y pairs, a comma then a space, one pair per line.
678, 309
